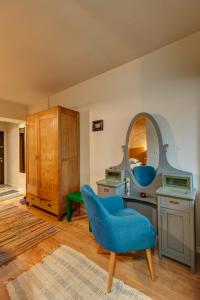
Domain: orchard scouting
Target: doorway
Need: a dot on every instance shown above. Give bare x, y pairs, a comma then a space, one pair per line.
1, 157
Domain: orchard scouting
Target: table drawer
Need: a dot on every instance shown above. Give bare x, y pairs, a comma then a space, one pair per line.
50, 206
106, 191
33, 200
174, 203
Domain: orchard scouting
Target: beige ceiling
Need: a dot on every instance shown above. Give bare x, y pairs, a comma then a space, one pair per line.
49, 45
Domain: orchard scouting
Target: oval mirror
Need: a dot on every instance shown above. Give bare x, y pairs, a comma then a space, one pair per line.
143, 150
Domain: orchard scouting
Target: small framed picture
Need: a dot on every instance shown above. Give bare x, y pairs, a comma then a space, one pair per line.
97, 125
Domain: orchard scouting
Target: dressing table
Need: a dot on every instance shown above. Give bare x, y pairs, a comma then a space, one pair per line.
167, 203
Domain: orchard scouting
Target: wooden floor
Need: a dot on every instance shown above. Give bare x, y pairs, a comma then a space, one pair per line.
173, 280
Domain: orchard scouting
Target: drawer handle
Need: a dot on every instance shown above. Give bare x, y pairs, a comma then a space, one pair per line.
49, 205
173, 202
106, 190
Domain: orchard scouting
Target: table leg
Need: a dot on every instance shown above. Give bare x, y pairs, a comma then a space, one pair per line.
69, 210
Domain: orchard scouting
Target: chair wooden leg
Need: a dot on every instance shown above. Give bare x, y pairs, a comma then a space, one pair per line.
150, 263
111, 270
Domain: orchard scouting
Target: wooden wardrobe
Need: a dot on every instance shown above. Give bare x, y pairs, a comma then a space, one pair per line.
52, 158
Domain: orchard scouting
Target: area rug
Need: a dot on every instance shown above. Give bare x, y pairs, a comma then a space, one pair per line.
20, 230
8, 192
68, 275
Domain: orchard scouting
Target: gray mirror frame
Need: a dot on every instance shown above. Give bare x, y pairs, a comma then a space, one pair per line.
151, 186
163, 167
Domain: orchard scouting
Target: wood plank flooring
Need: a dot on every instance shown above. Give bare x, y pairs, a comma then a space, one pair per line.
173, 280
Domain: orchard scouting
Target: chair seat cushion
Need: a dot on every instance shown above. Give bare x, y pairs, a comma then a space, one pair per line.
125, 212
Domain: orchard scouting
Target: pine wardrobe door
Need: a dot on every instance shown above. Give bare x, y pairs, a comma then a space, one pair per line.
48, 156
31, 156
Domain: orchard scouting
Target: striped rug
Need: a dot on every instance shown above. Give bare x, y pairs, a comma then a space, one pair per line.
68, 275
19, 231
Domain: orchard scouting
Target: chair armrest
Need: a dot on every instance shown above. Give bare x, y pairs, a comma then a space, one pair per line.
129, 233
112, 203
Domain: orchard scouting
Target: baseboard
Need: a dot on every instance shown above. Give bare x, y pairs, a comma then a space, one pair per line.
198, 249
18, 188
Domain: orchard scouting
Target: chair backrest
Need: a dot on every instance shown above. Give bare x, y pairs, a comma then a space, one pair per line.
97, 213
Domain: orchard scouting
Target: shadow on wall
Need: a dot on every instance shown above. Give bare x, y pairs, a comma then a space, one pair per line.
84, 146
197, 180
168, 138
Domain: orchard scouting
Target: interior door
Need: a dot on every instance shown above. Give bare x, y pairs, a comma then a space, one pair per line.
48, 156
32, 156
1, 157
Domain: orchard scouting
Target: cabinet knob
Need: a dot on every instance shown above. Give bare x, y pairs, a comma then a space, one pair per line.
173, 202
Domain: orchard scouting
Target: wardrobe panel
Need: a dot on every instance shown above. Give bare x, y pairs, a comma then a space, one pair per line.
31, 156
48, 156
70, 177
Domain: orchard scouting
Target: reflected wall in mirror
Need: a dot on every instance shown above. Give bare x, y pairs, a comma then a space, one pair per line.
143, 151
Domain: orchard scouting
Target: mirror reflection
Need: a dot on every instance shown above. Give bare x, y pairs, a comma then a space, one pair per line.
143, 151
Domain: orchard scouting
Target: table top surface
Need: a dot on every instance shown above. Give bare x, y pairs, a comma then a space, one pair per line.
110, 183
176, 194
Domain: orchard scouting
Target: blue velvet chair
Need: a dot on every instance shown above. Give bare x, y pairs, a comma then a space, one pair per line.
144, 174
118, 229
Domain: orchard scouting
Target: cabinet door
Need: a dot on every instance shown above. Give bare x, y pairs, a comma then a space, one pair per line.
48, 156
70, 176
175, 238
31, 156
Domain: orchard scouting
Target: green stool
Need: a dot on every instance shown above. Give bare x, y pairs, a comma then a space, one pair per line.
76, 197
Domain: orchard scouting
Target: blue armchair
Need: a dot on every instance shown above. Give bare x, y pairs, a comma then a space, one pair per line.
118, 229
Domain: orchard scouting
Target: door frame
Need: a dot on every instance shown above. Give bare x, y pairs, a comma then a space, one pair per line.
3, 133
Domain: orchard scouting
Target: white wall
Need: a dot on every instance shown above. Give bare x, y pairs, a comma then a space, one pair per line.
33, 108
165, 83
84, 147
14, 177
12, 110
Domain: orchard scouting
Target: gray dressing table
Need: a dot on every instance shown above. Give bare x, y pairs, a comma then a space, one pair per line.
159, 191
